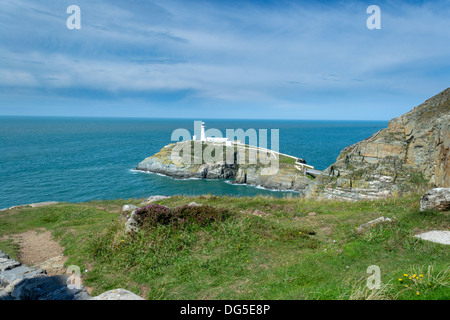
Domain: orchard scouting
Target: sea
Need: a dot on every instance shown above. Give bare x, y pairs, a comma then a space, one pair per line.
83, 159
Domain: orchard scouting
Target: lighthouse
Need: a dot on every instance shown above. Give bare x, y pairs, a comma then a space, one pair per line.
212, 139
202, 132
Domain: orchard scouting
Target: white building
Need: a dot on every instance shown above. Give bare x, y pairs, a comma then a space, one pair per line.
212, 139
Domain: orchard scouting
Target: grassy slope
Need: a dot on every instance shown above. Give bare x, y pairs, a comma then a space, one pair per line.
286, 255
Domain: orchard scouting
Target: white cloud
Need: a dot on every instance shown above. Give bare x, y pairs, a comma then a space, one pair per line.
249, 52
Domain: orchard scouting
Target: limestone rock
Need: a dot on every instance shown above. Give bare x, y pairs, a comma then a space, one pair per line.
155, 198
32, 205
19, 273
129, 207
126, 211
118, 294
21, 282
437, 199
53, 265
195, 204
410, 154
366, 226
437, 236
43, 204
131, 225
6, 264
3, 255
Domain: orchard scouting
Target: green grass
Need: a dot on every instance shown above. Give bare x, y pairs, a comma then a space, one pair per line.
287, 254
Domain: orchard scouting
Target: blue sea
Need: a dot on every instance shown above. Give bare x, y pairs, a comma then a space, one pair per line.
83, 159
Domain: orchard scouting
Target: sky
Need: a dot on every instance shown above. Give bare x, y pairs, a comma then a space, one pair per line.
222, 59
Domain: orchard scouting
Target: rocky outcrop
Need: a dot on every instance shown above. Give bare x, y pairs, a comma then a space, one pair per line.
285, 175
366, 226
165, 164
118, 294
287, 178
436, 236
31, 205
437, 199
21, 282
152, 199
412, 152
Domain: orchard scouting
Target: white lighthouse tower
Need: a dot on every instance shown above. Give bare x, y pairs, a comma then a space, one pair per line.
202, 132
203, 138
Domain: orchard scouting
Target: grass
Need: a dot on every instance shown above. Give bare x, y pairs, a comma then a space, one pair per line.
248, 158
284, 253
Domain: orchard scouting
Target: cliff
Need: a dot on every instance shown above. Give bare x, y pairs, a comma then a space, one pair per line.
285, 176
412, 152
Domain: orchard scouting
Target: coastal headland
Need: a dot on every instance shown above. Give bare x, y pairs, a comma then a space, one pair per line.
411, 154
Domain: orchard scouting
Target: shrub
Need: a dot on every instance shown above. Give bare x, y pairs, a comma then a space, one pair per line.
154, 215
198, 215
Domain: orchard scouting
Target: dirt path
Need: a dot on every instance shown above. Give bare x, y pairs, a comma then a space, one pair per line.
37, 248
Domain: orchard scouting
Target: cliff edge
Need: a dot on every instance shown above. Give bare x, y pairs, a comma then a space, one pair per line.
412, 152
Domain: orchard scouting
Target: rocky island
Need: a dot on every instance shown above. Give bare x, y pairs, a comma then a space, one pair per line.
288, 175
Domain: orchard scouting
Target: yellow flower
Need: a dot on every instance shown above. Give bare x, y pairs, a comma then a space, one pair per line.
417, 292
421, 275
299, 233
405, 275
400, 279
414, 275
406, 285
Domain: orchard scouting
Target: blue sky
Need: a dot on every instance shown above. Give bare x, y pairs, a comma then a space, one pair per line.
222, 59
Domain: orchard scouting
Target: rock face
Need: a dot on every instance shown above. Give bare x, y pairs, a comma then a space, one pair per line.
412, 151
437, 199
285, 176
21, 282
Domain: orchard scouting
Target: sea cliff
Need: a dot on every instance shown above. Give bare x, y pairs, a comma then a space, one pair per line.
411, 154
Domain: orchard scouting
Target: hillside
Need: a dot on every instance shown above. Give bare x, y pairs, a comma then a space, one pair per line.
263, 248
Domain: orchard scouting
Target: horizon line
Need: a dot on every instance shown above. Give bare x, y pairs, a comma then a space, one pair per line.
185, 118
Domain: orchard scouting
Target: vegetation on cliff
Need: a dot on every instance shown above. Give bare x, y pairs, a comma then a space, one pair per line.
261, 248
